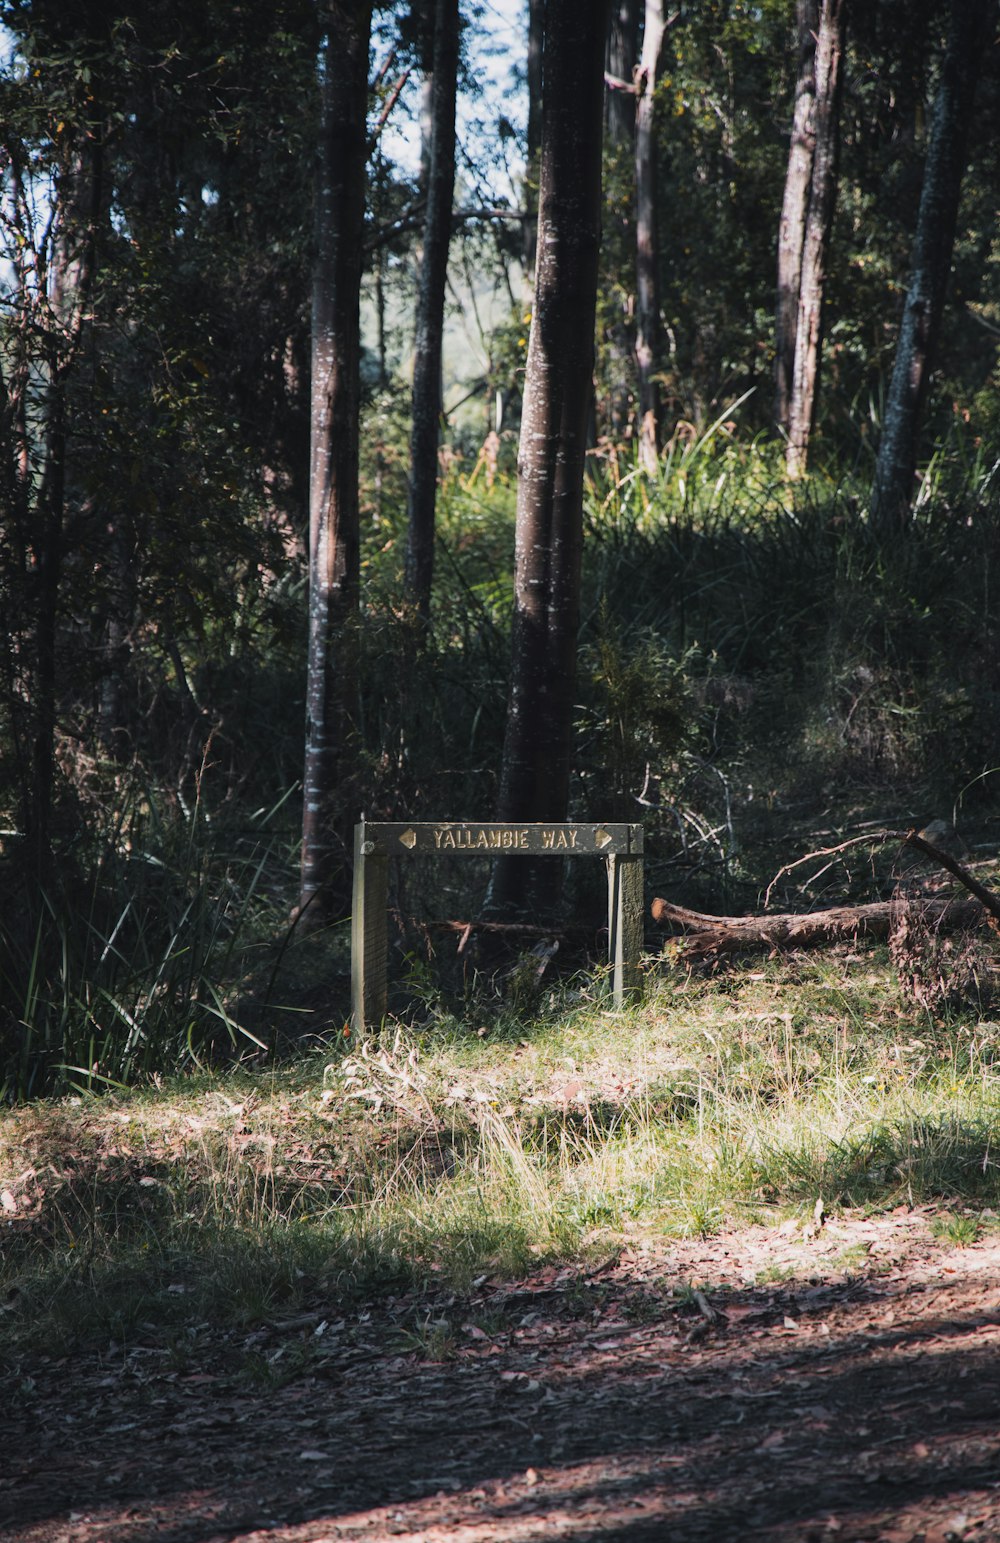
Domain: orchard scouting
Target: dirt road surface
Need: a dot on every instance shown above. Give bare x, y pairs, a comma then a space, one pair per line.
831, 1383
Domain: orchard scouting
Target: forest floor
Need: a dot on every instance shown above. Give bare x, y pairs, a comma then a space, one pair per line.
850, 1392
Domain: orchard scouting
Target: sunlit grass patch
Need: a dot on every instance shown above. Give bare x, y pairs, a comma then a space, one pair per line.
438, 1155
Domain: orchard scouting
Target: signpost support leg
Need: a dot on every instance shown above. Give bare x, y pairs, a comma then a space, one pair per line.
369, 933
625, 926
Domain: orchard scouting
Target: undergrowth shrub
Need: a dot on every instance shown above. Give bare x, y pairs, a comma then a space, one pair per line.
126, 965
826, 665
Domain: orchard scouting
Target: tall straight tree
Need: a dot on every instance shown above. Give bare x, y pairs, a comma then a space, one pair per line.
828, 66
534, 778
529, 240
970, 27
426, 408
622, 51
648, 331
619, 118
49, 351
331, 671
792, 230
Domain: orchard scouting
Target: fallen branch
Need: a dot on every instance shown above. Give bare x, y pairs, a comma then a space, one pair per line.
704, 934
526, 929
989, 900
875, 837
467, 929
390, 103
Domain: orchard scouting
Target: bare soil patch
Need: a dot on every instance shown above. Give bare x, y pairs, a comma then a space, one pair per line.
830, 1384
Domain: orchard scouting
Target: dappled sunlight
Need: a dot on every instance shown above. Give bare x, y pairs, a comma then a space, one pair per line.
630, 1402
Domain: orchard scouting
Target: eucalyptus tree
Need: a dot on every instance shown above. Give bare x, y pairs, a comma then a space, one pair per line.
721, 79
438, 191
533, 140
972, 24
804, 241
620, 58
55, 204
619, 246
535, 772
329, 775
150, 370
649, 331
791, 232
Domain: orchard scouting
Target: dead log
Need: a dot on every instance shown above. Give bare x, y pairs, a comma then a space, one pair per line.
704, 934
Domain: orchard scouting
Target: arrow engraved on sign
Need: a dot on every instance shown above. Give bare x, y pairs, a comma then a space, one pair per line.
409, 839
602, 837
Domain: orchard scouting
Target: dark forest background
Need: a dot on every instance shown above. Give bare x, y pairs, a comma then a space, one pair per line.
785, 627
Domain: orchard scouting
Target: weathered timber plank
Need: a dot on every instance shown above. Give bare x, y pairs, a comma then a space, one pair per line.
625, 918
369, 935
450, 838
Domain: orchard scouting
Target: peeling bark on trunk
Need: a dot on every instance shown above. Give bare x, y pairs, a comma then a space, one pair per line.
426, 409
331, 681
648, 339
534, 783
792, 231
819, 218
969, 30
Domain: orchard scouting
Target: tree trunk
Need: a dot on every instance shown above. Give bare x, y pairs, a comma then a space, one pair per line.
792, 230
47, 546
622, 52
426, 410
536, 33
72, 268
819, 218
648, 340
969, 30
534, 779
329, 781
16, 494
619, 113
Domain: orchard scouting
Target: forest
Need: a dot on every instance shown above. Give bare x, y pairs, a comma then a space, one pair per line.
627, 453
528, 426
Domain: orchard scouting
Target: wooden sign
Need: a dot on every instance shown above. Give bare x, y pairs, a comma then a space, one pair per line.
619, 845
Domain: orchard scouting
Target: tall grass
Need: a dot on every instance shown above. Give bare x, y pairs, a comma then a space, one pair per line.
442, 1155
127, 967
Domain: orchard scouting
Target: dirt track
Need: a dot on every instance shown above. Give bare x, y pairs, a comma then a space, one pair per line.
831, 1404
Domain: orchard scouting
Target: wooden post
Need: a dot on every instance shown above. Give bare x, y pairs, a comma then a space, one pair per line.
369, 932
625, 917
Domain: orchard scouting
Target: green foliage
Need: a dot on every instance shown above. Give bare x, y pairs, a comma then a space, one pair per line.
134, 971
719, 198
724, 110
746, 658
643, 713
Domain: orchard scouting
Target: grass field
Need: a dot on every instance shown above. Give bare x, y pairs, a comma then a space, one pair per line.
448, 1148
